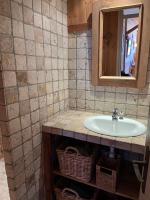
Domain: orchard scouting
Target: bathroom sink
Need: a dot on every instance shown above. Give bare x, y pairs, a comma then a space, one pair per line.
119, 128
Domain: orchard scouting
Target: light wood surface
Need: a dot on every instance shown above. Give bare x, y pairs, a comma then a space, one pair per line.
79, 15
142, 50
110, 44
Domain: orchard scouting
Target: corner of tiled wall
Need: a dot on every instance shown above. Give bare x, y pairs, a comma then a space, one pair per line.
33, 85
83, 96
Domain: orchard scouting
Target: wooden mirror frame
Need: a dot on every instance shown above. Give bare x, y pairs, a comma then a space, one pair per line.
143, 40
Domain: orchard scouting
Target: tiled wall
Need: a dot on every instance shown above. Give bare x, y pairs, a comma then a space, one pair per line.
33, 84
83, 96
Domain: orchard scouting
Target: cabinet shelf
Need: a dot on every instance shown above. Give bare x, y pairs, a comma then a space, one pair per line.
124, 188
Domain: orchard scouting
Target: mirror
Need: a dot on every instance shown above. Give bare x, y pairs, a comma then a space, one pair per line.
121, 30
120, 42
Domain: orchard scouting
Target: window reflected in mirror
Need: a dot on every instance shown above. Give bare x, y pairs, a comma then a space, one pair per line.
120, 42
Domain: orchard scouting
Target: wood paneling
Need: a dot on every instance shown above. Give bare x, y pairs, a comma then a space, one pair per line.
79, 15
110, 44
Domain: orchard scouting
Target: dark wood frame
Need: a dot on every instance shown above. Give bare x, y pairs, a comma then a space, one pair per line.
143, 48
124, 188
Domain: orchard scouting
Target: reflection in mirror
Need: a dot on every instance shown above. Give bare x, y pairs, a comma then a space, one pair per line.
120, 39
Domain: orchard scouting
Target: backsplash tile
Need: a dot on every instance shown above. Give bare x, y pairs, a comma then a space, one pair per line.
84, 96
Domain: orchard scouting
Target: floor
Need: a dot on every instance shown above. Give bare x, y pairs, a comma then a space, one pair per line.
4, 193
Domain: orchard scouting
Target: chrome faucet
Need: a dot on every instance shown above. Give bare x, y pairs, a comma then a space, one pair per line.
116, 114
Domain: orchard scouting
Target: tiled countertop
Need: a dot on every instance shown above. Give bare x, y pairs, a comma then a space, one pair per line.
70, 124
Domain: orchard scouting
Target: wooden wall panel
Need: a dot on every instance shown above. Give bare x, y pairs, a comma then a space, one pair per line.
79, 15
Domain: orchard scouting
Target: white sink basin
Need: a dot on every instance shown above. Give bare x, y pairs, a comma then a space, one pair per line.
118, 128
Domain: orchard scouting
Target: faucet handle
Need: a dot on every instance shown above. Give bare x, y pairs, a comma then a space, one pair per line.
121, 115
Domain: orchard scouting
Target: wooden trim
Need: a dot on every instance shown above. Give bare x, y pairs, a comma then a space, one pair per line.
144, 47
143, 41
78, 28
47, 165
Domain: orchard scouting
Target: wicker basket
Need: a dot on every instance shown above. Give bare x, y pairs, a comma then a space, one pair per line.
72, 163
67, 194
106, 177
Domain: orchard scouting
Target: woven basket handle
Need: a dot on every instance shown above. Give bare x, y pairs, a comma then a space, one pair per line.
73, 149
71, 191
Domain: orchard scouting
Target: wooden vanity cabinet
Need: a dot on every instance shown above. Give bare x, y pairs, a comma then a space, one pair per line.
79, 15
126, 177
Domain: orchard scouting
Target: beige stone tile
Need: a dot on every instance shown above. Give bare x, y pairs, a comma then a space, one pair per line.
26, 134
27, 3
143, 111
42, 101
25, 121
5, 8
27, 147
13, 111
46, 23
32, 77
47, 50
9, 78
121, 98
8, 61
35, 116
41, 89
28, 15
23, 93
6, 44
30, 47
39, 49
33, 91
17, 153
36, 140
16, 10
16, 139
131, 109
38, 33
28, 158
46, 36
40, 63
29, 31
17, 29
34, 104
43, 113
19, 46
11, 95
36, 129
53, 12
37, 5
5, 25
49, 87
38, 20
22, 79
41, 76
48, 63
31, 62
24, 107
21, 62
132, 99
14, 126
45, 8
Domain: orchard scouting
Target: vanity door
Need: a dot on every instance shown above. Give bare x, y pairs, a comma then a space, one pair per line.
145, 185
